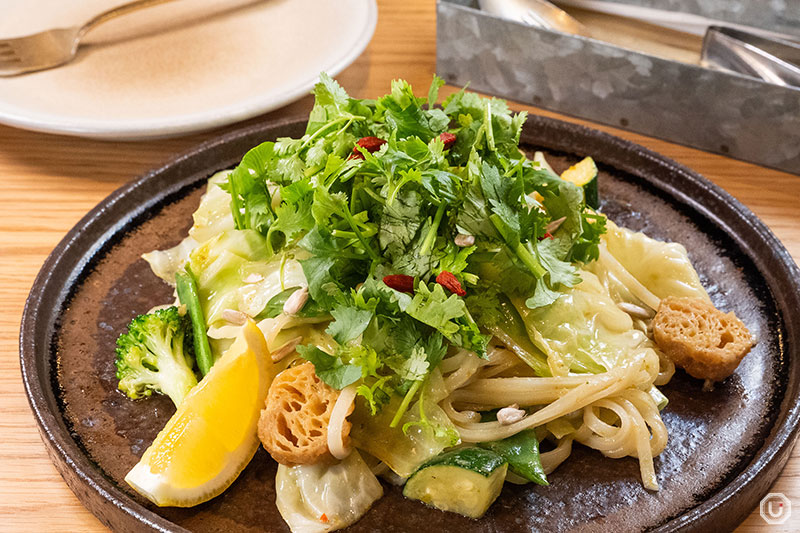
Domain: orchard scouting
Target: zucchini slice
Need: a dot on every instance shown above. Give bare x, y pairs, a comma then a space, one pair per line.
584, 174
464, 481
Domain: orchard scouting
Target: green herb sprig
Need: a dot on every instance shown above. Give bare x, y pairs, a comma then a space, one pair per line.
357, 215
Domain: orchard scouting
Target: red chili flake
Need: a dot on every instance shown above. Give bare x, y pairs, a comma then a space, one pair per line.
400, 282
370, 144
448, 139
450, 282
546, 236
323, 518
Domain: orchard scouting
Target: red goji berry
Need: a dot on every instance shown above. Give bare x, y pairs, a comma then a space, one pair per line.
370, 144
400, 282
450, 282
448, 139
323, 518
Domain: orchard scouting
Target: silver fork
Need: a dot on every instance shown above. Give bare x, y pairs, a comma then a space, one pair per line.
55, 47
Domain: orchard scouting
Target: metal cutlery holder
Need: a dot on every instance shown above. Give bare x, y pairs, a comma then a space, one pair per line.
782, 16
722, 112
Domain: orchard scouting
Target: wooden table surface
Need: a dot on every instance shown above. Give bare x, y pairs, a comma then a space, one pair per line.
49, 182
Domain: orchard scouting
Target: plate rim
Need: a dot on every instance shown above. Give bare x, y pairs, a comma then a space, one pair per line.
190, 123
84, 477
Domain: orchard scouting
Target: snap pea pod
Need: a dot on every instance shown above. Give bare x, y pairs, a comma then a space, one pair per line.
522, 453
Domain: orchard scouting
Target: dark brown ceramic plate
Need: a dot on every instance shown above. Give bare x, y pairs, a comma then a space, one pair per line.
725, 447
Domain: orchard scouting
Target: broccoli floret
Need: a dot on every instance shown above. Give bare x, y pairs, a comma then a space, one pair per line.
155, 355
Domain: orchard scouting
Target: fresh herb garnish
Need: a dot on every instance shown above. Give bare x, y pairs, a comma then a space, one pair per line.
384, 190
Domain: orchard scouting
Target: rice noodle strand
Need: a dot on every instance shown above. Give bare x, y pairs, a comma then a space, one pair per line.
342, 407
616, 415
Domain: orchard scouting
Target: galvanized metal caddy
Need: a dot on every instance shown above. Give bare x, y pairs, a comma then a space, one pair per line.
721, 112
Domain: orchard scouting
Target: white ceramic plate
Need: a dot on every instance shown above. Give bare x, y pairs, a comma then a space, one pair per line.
181, 67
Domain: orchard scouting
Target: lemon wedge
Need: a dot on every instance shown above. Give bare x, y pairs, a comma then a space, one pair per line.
213, 434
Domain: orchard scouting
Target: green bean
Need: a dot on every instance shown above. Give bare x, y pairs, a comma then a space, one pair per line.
188, 296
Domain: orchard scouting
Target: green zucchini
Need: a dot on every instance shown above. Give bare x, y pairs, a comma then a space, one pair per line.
464, 481
584, 174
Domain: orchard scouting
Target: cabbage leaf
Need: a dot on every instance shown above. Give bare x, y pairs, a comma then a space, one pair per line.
324, 497
583, 330
425, 430
212, 217
663, 268
235, 271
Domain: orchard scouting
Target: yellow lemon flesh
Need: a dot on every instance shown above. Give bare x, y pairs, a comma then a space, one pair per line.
213, 434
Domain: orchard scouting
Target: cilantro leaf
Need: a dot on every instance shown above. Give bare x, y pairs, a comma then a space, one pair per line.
486, 126
567, 202
414, 367
469, 336
399, 224
250, 198
542, 296
286, 169
388, 302
559, 272
484, 306
412, 261
329, 92
586, 247
435, 349
330, 101
296, 192
322, 287
403, 113
442, 186
434, 308
455, 259
349, 322
473, 217
408, 336
293, 220
376, 395
330, 369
